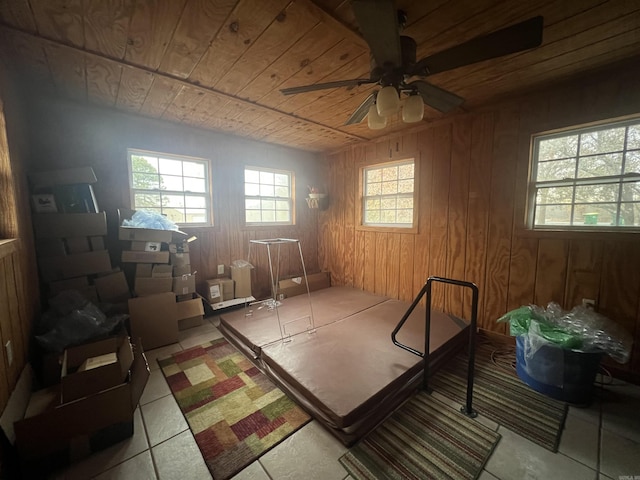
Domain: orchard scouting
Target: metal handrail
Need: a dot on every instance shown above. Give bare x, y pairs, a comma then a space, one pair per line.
426, 289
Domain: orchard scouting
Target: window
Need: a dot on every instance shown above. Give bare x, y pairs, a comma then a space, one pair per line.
171, 185
587, 178
267, 197
388, 195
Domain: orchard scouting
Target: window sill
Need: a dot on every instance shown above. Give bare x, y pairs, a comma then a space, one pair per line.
8, 246
579, 234
367, 228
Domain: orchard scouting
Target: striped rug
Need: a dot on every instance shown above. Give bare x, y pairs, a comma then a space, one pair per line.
504, 398
424, 439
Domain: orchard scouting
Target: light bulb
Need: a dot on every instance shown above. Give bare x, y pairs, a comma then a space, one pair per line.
388, 101
413, 109
375, 121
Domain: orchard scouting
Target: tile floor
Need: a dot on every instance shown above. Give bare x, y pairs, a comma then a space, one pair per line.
601, 442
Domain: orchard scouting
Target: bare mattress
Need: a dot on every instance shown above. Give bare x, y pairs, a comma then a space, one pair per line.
348, 374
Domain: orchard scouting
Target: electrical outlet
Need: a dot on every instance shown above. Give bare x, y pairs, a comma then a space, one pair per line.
9, 348
220, 269
589, 303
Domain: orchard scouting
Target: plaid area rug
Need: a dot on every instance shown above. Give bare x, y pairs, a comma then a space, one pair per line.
234, 411
423, 439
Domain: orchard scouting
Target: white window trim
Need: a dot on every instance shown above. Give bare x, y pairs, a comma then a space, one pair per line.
534, 186
207, 195
290, 199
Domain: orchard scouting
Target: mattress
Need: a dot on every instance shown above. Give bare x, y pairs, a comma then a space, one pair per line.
350, 375
263, 326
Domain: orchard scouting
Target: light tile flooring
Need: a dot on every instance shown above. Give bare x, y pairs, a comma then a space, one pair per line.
601, 442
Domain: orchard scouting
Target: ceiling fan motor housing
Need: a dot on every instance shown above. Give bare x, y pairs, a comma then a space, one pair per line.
389, 74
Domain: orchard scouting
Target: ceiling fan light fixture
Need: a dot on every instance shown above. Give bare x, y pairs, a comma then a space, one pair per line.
413, 109
388, 101
375, 121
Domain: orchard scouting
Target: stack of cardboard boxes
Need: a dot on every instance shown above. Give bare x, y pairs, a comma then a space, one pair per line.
164, 285
224, 288
70, 234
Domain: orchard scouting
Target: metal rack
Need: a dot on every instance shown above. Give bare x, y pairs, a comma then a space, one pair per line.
467, 408
274, 302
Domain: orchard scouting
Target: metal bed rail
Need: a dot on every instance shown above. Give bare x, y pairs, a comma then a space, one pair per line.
426, 290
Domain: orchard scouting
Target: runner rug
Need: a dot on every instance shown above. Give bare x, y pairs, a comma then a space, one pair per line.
234, 411
423, 439
501, 396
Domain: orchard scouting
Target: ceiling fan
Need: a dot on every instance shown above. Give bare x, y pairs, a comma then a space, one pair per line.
394, 64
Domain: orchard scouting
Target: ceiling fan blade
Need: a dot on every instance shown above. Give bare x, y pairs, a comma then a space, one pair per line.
321, 86
518, 37
378, 23
362, 110
436, 97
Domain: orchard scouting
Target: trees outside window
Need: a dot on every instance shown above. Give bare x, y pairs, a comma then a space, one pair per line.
587, 178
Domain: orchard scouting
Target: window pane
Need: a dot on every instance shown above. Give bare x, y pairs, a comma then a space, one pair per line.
631, 192
553, 215
389, 188
597, 193
554, 148
372, 204
144, 200
268, 216
389, 203
193, 169
196, 215
172, 200
554, 195
373, 189
388, 216
195, 202
405, 202
633, 137
556, 170
252, 216
602, 141
629, 215
282, 205
194, 185
282, 216
252, 189
267, 204
170, 167
600, 165
374, 175
146, 181
372, 216
143, 163
252, 204
389, 173
267, 191
282, 192
252, 176
405, 171
632, 162
281, 179
267, 177
170, 182
176, 216
405, 186
595, 214
405, 216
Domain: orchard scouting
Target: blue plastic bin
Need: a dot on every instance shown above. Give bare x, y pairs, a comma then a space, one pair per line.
565, 375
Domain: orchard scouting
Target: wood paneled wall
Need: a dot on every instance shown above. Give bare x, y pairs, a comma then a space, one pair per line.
66, 135
473, 176
19, 293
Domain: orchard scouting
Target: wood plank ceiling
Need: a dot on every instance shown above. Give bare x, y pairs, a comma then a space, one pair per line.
219, 64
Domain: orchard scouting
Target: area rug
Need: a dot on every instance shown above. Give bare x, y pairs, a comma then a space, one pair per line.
423, 439
501, 396
234, 411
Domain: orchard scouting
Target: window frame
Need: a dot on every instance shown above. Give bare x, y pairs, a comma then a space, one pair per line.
290, 199
619, 179
360, 208
208, 194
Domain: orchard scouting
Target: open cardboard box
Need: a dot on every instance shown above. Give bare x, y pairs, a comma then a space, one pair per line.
53, 434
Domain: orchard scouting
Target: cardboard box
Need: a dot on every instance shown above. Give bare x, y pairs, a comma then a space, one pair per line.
78, 382
77, 198
219, 290
144, 234
97, 243
78, 283
144, 257
112, 288
180, 259
50, 247
78, 265
242, 277
182, 270
144, 270
67, 176
182, 247
190, 312
162, 271
145, 286
184, 284
154, 319
64, 225
44, 203
297, 286
77, 244
54, 434
138, 246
